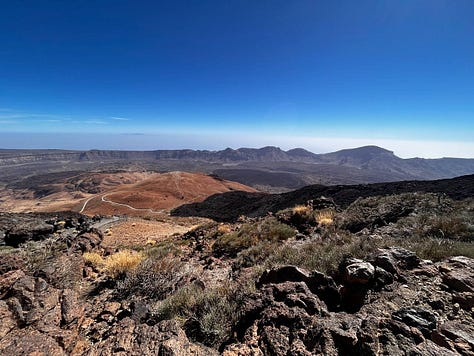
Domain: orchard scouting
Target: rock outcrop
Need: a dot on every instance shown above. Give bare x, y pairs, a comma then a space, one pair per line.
414, 309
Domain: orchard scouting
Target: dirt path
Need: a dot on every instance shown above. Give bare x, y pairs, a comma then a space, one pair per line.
85, 204
148, 210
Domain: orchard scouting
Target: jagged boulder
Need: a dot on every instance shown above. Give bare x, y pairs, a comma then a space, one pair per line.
318, 283
86, 241
127, 337
37, 317
419, 318
23, 232
358, 272
393, 259
283, 274
455, 336
458, 274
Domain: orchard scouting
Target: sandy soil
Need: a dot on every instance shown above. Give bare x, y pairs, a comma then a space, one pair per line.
139, 232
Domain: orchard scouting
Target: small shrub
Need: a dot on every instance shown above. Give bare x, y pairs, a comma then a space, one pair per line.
302, 210
49, 260
251, 234
254, 255
434, 249
119, 263
155, 278
449, 227
94, 259
324, 255
116, 265
215, 309
163, 249
223, 229
325, 217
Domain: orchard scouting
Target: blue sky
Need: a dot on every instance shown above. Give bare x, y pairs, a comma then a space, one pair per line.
322, 75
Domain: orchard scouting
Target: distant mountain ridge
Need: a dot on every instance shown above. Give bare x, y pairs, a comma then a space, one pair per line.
260, 167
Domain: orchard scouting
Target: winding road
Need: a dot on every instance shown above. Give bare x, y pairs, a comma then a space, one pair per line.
85, 204
131, 207
103, 198
177, 181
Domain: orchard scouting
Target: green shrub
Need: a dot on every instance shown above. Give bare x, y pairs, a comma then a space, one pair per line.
215, 309
434, 249
155, 278
162, 249
254, 255
322, 255
449, 227
251, 234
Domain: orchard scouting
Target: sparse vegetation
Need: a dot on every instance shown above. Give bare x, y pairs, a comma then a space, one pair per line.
163, 249
325, 217
250, 234
214, 310
49, 259
204, 279
322, 255
155, 278
224, 229
93, 259
303, 210
115, 265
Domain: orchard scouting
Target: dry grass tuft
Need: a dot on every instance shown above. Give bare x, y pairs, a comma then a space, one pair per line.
325, 217
116, 265
215, 309
301, 209
119, 263
94, 259
223, 229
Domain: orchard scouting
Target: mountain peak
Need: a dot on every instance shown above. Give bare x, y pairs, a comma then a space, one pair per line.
371, 149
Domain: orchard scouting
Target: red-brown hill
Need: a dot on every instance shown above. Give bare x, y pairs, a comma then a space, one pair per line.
160, 192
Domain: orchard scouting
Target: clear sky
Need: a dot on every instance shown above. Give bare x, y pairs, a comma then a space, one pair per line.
321, 75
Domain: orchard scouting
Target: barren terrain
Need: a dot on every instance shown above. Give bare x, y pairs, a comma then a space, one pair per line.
128, 193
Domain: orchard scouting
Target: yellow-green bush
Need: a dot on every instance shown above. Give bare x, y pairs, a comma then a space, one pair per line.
115, 265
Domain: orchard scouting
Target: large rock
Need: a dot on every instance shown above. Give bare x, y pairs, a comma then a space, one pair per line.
455, 336
32, 230
274, 317
166, 338
419, 318
359, 272
87, 241
43, 321
283, 274
458, 274
393, 259
325, 288
8, 279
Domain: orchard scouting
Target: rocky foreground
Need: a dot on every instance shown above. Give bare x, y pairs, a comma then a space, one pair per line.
383, 300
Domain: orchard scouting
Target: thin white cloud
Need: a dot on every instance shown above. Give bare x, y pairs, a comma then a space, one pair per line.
23, 116
119, 118
94, 122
